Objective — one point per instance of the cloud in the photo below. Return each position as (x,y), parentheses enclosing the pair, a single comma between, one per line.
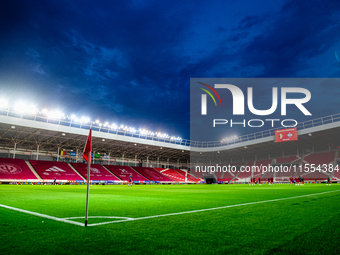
(250,21)
(133,59)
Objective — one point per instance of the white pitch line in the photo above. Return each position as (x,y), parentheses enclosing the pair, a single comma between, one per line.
(209,209)
(42,215)
(100,217)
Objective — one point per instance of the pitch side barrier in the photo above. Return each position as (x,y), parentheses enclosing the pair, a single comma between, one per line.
(284,168)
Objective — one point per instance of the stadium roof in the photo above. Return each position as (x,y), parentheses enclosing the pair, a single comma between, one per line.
(28,132)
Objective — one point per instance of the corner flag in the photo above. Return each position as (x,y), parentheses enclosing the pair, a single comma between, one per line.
(88,147)
(87,156)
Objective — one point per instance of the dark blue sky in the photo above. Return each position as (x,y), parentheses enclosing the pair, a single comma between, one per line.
(130,62)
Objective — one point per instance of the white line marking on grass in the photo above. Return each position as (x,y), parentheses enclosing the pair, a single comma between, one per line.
(42,215)
(209,209)
(99,217)
(124,219)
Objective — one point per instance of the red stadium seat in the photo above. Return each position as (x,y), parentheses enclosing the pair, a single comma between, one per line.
(123,172)
(174,175)
(48,170)
(152,174)
(15,169)
(187,174)
(97,172)
(321,161)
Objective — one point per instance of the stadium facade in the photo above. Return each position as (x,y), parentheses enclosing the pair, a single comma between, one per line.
(34,138)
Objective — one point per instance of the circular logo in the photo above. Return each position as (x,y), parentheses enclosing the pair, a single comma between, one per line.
(94,170)
(8,168)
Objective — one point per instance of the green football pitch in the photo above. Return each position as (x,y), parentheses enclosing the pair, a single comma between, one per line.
(171,219)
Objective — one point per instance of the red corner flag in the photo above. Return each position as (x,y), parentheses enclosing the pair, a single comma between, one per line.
(88,147)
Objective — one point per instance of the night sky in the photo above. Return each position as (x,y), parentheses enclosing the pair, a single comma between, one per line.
(130,62)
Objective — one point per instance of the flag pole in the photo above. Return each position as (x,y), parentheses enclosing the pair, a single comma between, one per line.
(88,187)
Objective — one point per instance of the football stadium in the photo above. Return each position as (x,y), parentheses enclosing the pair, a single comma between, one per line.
(170,127)
(273,198)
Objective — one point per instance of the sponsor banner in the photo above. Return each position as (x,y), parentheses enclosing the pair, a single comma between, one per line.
(73,154)
(285,135)
(80,181)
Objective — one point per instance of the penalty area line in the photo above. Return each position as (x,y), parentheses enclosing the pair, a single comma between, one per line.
(42,215)
(210,209)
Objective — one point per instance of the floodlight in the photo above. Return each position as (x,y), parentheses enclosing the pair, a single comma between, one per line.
(55,114)
(20,107)
(3,103)
(31,109)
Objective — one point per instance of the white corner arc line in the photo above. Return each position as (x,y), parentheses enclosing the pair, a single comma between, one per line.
(42,215)
(209,209)
(99,217)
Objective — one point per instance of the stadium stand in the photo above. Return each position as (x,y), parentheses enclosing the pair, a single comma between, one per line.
(260,166)
(48,170)
(290,164)
(123,172)
(336,175)
(187,174)
(290,159)
(318,159)
(97,172)
(16,170)
(152,174)
(246,173)
(225,177)
(172,174)
(218,175)
(197,174)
